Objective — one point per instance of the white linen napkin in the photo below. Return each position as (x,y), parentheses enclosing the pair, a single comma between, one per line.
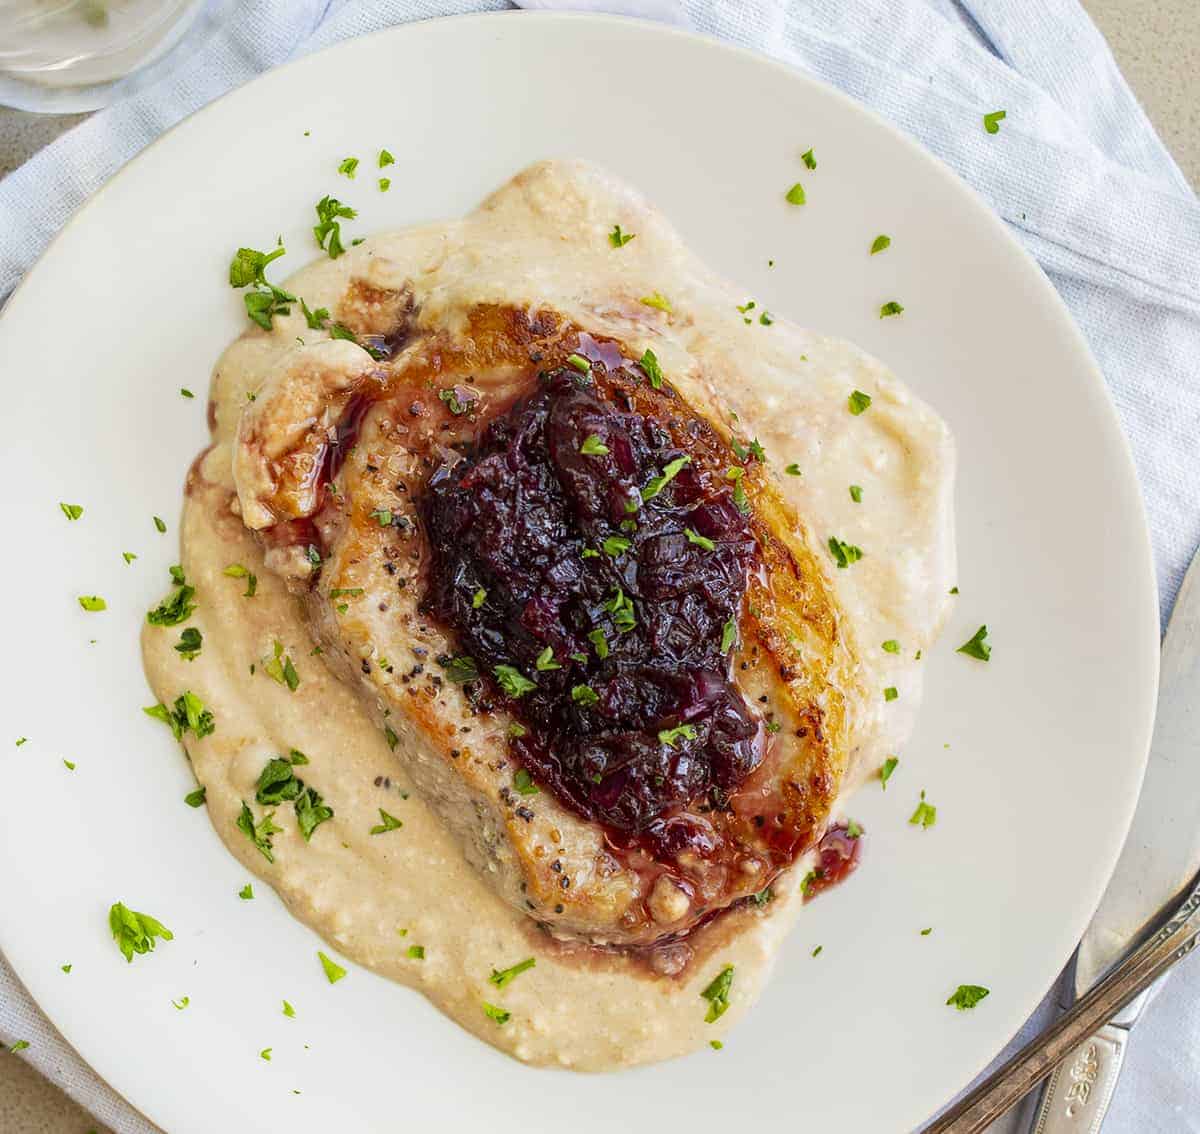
(1077,172)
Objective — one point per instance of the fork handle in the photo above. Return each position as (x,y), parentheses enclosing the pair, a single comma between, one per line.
(1177,937)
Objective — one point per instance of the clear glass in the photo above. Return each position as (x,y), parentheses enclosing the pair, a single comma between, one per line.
(68,54)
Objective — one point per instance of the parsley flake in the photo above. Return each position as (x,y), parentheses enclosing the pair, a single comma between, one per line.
(580,363)
(246,893)
(333,971)
(135,932)
(728,636)
(92,603)
(348,167)
(189,643)
(669,736)
(890,308)
(545,660)
(584,696)
(891,646)
(478,598)
(523,782)
(856,493)
(460,669)
(699,540)
(858,402)
(599,643)
(260,833)
(619,239)
(795,195)
(793,469)
(978,646)
(513,681)
(925,815)
(501,978)
(71,511)
(885,772)
(18,1045)
(649,363)
(844,553)
(615,546)
(656,484)
(880,242)
(991,122)
(328,229)
(160,525)
(387,823)
(658,301)
(500,1015)
(891,693)
(593,447)
(385,159)
(967,995)
(717,995)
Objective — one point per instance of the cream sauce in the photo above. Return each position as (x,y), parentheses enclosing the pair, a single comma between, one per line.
(375,896)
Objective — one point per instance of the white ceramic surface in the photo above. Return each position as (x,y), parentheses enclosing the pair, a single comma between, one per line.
(1033,759)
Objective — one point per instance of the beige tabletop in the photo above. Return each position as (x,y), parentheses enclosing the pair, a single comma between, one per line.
(1157,44)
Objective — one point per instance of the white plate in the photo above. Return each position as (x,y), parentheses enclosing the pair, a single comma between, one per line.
(1033,760)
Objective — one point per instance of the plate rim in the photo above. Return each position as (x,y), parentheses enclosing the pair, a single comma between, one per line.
(1047,297)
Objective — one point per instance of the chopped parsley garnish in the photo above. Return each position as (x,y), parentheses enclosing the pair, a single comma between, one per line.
(716,1045)
(351,592)
(66,968)
(460,669)
(281,669)
(728,636)
(764,896)
(189,643)
(844,553)
(416,952)
(619,239)
(385,183)
(757,451)
(580,363)
(180,1004)
(18,1045)
(795,195)
(967,995)
(348,167)
(277,783)
(891,693)
(926,932)
(858,402)
(289,1011)
(856,493)
(891,646)
(128,556)
(880,242)
(500,1015)
(188,714)
(456,405)
(513,681)
(885,772)
(773,727)
(387,822)
(311,812)
(333,971)
(991,122)
(135,932)
(717,994)
(385,159)
(260,833)
(616,545)
(383,516)
(891,307)
(657,483)
(186,392)
(160,524)
(649,363)
(328,229)
(657,301)
(389,734)
(72,511)
(22,740)
(620,606)
(699,540)
(523,782)
(584,695)
(808,159)
(817,951)
(545,660)
(593,447)
(69,765)
(246,893)
(265,301)
(316,320)
(92,603)
(925,815)
(853,829)
(196,798)
(176,607)
(590,553)
(501,978)
(978,646)
(599,643)
(749,305)
(793,469)
(669,736)
(735,474)
(478,598)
